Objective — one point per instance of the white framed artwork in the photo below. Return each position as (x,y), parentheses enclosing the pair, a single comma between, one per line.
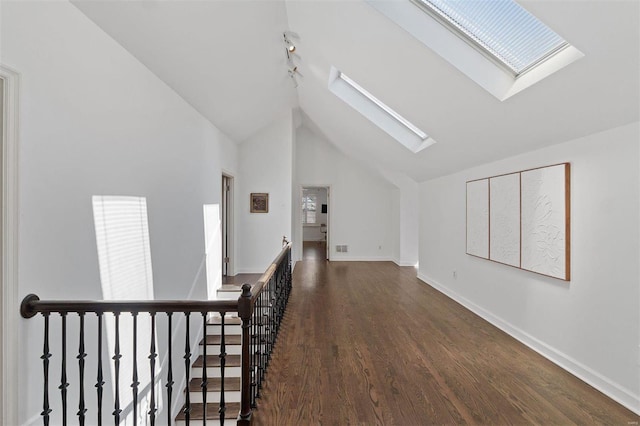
(504,231)
(545,223)
(522,219)
(478,218)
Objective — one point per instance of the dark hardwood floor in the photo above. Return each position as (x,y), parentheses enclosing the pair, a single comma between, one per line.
(314,250)
(368,343)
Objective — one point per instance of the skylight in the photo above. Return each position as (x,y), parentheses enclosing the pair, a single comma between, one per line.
(378,112)
(497,44)
(500,28)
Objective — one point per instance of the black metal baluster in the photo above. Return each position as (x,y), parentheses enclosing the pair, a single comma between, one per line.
(272,284)
(276,314)
(260,342)
(254,357)
(204,371)
(81,356)
(116,364)
(135,382)
(223,360)
(266,333)
(152,365)
(63,373)
(187,368)
(100,380)
(46,410)
(281,296)
(170,371)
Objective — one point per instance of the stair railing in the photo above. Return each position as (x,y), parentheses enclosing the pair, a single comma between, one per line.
(261,308)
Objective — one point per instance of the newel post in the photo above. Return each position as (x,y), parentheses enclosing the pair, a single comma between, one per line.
(245,309)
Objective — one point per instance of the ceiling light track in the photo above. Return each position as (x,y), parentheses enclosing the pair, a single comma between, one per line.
(290,49)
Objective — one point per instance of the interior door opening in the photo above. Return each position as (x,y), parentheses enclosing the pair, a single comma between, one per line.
(315,222)
(9,325)
(2,337)
(227,226)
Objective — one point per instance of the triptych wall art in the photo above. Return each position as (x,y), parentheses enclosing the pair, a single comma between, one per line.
(521,219)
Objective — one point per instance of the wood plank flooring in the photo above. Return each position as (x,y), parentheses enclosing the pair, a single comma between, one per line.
(368,343)
(314,250)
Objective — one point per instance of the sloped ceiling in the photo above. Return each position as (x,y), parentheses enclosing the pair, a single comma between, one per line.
(227,60)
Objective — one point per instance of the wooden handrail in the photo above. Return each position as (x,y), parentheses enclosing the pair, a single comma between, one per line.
(261,308)
(32,305)
(256,289)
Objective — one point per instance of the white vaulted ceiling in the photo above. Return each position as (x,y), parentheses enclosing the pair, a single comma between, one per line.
(227,59)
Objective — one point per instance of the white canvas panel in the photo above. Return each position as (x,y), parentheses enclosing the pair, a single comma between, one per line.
(504,229)
(478,218)
(543,221)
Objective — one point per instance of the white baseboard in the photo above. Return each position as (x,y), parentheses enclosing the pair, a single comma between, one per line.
(335,258)
(402,263)
(603,384)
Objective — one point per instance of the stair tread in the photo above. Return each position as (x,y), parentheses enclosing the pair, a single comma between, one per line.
(214,361)
(232,409)
(229,339)
(230,287)
(213,384)
(227,321)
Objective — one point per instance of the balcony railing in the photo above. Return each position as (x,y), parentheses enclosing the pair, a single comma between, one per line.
(260,307)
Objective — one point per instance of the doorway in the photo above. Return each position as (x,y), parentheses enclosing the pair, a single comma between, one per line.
(9,88)
(2,337)
(227,226)
(315,222)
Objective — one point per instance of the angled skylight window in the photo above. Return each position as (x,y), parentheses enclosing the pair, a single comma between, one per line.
(378,112)
(496,43)
(501,28)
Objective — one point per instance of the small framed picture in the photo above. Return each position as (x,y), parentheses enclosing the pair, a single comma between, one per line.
(259,202)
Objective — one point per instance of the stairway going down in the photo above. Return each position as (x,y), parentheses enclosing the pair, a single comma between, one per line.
(232,373)
(222,375)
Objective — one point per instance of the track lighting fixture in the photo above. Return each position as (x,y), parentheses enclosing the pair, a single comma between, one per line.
(290,47)
(292,74)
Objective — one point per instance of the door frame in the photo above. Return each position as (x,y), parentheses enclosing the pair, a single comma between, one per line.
(329,215)
(229,225)
(10,81)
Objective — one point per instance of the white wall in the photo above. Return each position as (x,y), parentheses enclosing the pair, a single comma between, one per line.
(406,206)
(229,164)
(591,325)
(395,226)
(296,214)
(360,202)
(94,121)
(265,164)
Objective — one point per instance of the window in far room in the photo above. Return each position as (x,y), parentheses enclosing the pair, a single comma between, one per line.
(309,202)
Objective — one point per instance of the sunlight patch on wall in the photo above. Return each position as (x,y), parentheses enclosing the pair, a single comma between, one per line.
(122,237)
(213,248)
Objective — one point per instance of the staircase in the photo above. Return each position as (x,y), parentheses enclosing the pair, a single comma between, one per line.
(261,307)
(232,370)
